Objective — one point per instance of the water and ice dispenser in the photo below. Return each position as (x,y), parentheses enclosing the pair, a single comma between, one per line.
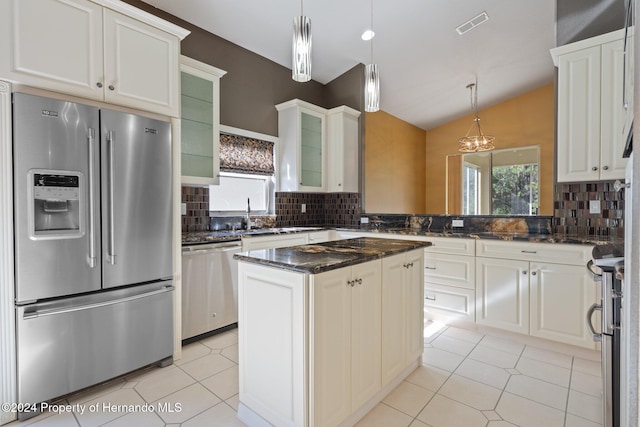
(55,204)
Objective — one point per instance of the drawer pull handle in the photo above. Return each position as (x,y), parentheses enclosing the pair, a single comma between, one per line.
(529,252)
(430,298)
(430,268)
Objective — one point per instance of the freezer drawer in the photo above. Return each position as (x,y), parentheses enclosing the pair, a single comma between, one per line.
(70,344)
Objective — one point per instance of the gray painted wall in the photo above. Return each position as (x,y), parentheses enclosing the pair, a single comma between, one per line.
(253,84)
(581,19)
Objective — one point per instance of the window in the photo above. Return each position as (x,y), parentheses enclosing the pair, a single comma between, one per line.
(234,190)
(247,171)
(515,189)
(471,189)
(510,186)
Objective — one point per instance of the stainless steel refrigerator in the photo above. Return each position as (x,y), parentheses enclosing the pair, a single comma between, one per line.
(93,260)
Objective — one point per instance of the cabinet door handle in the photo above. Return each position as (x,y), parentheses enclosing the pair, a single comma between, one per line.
(358,281)
(112,87)
(595,168)
(408,265)
(99,84)
(430,298)
(351,283)
(524,271)
(533,273)
(606,168)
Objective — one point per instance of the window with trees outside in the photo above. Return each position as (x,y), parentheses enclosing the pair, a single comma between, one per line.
(513,186)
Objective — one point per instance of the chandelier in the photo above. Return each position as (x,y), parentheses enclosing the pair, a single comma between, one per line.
(478,142)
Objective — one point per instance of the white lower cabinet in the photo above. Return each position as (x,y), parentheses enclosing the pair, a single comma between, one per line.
(542,290)
(402,312)
(253,243)
(345,342)
(319,236)
(321,350)
(560,296)
(450,280)
(502,294)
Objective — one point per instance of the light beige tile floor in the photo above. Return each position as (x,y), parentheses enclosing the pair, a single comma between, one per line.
(467,379)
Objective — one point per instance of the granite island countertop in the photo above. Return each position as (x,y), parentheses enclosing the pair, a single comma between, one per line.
(321,257)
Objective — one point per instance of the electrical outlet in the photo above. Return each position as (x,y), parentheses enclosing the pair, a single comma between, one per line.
(303,207)
(183,208)
(364,220)
(457,223)
(594,206)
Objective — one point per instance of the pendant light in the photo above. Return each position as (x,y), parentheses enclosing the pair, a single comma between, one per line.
(301,67)
(479,141)
(371,79)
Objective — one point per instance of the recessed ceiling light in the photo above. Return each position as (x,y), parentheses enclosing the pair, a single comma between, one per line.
(368,35)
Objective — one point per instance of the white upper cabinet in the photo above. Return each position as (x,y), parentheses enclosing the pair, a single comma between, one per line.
(593,121)
(301,132)
(342,150)
(318,148)
(199,122)
(103,50)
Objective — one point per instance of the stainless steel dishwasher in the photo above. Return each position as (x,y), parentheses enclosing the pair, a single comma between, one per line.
(209,287)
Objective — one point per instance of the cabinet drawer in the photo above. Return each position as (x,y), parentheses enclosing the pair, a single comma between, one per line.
(451,245)
(319,236)
(542,252)
(448,303)
(452,270)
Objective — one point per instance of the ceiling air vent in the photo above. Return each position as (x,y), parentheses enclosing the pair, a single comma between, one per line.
(472,23)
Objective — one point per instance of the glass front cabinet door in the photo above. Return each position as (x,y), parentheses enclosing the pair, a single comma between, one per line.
(301,132)
(200,122)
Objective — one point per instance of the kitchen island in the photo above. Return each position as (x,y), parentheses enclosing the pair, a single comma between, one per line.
(327,330)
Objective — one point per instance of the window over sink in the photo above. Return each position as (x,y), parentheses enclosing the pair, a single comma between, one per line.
(230,196)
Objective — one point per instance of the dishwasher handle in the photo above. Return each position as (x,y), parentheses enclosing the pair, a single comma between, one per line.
(222,247)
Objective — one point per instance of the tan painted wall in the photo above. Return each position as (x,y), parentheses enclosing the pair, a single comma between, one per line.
(521,121)
(394,158)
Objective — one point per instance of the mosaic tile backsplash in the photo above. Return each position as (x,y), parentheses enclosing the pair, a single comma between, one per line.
(322,209)
(197,217)
(571,209)
(571,213)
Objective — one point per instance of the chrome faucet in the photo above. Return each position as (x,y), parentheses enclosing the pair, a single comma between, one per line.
(248,214)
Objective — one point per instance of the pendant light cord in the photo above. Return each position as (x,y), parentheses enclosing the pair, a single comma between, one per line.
(372,31)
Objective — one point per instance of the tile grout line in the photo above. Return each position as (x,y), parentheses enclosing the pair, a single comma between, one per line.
(566,406)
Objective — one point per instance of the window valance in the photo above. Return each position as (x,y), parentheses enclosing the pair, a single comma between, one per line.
(246,155)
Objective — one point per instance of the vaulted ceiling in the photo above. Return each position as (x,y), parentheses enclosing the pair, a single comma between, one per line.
(425,65)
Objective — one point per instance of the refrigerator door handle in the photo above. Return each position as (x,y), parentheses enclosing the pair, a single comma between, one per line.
(91,259)
(597,337)
(54,311)
(111,255)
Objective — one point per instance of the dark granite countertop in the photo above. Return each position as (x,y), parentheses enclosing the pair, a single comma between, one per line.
(521,237)
(201,237)
(320,257)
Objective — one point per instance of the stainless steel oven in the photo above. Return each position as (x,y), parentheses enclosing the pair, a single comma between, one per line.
(609,336)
